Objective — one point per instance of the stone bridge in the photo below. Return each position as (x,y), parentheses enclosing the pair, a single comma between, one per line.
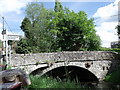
(90,65)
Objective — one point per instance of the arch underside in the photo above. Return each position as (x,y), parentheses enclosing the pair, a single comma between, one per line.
(72,72)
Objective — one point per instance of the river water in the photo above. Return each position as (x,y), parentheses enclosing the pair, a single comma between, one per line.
(101,85)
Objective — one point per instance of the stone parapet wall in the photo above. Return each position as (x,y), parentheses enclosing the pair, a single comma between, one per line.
(21,59)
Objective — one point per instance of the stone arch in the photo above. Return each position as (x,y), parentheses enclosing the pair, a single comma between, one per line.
(78,64)
(73,73)
(38,70)
(73,69)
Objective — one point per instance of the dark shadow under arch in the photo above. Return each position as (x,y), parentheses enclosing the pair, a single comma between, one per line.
(38,71)
(73,73)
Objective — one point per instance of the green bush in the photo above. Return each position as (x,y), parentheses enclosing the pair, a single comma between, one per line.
(113,77)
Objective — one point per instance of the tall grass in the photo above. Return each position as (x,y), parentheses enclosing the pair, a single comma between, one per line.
(48,82)
(113,77)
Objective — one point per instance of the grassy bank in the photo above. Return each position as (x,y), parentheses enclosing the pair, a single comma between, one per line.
(47,82)
(114,77)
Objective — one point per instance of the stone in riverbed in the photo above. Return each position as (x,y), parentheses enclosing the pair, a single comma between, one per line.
(14,75)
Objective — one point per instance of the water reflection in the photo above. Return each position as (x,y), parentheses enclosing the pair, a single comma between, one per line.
(101,85)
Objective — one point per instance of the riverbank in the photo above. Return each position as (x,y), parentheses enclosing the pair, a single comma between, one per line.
(113,77)
(48,82)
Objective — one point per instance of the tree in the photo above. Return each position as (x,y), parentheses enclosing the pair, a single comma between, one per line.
(58,6)
(118,30)
(23,47)
(26,26)
(74,31)
(35,26)
(59,30)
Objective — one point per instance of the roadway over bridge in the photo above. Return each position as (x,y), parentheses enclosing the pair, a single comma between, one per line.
(90,65)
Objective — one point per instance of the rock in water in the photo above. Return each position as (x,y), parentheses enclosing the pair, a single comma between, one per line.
(14,75)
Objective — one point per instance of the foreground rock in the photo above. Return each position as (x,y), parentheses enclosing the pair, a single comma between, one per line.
(13,76)
(11,86)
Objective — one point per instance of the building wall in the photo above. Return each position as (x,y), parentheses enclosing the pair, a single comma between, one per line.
(115,44)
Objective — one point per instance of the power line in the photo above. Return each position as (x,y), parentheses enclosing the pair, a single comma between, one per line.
(5,22)
(8,26)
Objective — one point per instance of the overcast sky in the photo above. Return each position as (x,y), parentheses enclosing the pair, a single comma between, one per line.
(105,13)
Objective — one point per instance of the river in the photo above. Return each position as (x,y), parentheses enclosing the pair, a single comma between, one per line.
(102,85)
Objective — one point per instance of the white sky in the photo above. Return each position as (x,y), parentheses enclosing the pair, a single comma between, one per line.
(108,21)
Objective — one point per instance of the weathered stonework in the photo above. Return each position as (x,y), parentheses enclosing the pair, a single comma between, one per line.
(21,59)
(98,62)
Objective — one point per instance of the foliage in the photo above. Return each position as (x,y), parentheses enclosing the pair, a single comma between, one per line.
(26,27)
(110,49)
(113,77)
(58,6)
(23,47)
(74,31)
(35,26)
(59,30)
(118,32)
(118,29)
(47,82)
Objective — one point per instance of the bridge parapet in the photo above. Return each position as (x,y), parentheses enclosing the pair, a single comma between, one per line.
(28,59)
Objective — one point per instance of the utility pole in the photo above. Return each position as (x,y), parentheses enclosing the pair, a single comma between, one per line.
(6,50)
(4,47)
